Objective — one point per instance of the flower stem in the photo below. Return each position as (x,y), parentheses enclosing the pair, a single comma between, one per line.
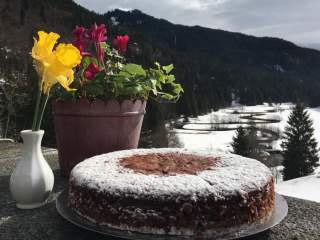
(99,60)
(36,112)
(43,107)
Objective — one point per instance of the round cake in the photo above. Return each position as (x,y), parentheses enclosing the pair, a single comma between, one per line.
(172,191)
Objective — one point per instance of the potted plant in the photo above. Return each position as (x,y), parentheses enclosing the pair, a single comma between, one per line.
(32,179)
(106,110)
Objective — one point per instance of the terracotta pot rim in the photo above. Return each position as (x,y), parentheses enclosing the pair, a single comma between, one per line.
(127,114)
(86,100)
(99,108)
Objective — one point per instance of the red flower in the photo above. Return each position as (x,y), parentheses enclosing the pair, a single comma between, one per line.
(91,71)
(121,42)
(97,35)
(80,39)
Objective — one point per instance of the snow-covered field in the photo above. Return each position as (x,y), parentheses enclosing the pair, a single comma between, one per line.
(223,139)
(305,188)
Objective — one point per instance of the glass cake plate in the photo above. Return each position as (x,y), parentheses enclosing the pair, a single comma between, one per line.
(279,213)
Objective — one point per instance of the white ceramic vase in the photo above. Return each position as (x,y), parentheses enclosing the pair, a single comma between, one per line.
(32,180)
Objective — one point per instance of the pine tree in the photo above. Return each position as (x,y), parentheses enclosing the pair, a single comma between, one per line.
(299,145)
(240,142)
(253,144)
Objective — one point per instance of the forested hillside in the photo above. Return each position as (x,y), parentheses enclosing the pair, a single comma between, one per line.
(214,66)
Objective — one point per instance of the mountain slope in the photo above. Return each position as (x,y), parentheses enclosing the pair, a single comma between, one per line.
(256,69)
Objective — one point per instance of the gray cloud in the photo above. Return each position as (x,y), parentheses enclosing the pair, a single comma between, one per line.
(294,20)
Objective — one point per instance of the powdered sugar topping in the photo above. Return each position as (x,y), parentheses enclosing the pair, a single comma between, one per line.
(231,175)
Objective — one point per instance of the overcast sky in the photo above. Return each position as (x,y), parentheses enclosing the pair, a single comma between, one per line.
(294,20)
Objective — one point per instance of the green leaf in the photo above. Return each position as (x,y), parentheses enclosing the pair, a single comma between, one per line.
(134,69)
(100,76)
(158,65)
(132,90)
(94,89)
(104,45)
(86,60)
(120,65)
(168,68)
(177,88)
(171,78)
(167,96)
(124,74)
(154,87)
(153,83)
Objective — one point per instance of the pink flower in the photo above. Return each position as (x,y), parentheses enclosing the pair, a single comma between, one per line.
(97,35)
(80,39)
(91,71)
(121,42)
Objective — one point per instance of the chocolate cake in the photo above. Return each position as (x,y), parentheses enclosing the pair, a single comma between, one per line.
(172,191)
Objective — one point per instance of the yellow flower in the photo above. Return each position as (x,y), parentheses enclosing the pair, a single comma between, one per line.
(66,55)
(54,66)
(42,49)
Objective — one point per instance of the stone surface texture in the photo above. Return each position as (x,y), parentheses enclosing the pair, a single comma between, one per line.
(302,222)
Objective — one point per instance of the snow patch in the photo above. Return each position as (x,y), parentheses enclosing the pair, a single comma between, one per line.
(278,68)
(114,21)
(307,188)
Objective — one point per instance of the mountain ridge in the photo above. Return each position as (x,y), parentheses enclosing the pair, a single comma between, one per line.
(305,46)
(283,56)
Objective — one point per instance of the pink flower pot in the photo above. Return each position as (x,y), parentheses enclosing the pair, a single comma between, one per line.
(85,129)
